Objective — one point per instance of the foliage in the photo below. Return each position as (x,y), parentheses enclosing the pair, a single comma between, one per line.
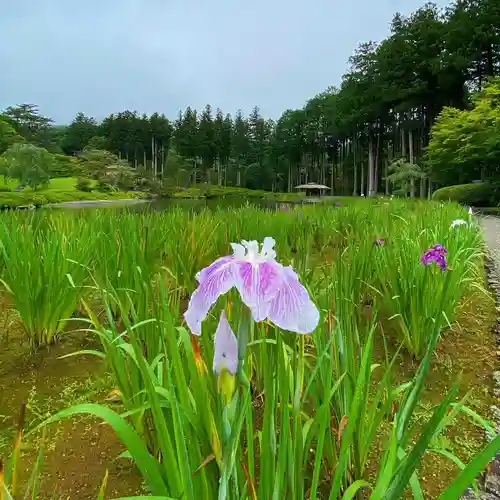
(30,124)
(44,273)
(326,392)
(57,191)
(107,169)
(84,184)
(485,194)
(64,166)
(466,143)
(403,175)
(29,164)
(384,108)
(8,135)
(78,134)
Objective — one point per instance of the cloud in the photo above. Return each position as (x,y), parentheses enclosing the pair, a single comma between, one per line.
(103,56)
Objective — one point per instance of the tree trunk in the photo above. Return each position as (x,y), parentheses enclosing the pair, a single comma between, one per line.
(386,176)
(412,180)
(377,161)
(371,169)
(362,193)
(355,189)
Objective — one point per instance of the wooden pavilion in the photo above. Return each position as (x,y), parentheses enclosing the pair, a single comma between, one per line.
(313,189)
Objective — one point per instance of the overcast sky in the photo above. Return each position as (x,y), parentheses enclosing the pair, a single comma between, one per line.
(103,56)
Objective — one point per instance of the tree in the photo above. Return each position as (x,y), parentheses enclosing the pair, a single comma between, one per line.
(97,142)
(78,134)
(346,137)
(29,164)
(465,144)
(8,135)
(107,168)
(206,145)
(403,175)
(240,145)
(31,125)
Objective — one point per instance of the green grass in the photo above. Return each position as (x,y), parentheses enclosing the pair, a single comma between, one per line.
(59,190)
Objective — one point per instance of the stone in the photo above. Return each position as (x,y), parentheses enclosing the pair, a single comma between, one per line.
(492,484)
(483,495)
(495,465)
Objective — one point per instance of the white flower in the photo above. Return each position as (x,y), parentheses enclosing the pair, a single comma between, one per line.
(458,222)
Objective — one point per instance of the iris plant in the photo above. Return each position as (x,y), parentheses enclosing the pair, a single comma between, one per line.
(437,254)
(268,289)
(458,222)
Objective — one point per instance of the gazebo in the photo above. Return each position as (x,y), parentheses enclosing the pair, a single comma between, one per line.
(311,188)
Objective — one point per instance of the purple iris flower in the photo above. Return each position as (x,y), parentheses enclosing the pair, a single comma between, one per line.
(225,348)
(379,242)
(437,254)
(267,288)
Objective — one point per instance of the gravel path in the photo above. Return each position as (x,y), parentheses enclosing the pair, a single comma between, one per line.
(490,489)
(491,231)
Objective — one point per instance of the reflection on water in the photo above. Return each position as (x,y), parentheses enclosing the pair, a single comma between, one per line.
(169,203)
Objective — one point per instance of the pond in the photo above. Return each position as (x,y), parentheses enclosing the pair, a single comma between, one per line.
(169,203)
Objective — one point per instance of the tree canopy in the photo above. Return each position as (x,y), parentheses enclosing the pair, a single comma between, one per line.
(429,78)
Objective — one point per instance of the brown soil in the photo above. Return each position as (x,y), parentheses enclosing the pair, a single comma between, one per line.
(466,351)
(80,450)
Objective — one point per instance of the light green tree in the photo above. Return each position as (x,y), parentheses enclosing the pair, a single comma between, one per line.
(465,144)
(29,164)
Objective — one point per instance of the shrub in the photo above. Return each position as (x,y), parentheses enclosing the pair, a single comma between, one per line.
(84,184)
(64,166)
(103,187)
(485,194)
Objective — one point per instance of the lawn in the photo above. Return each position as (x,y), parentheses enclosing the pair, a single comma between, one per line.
(59,190)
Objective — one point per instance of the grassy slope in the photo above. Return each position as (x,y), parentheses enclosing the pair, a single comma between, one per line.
(58,190)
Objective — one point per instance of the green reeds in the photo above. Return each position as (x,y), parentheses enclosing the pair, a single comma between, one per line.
(45,268)
(312,416)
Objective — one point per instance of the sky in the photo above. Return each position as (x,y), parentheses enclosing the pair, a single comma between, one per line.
(105,56)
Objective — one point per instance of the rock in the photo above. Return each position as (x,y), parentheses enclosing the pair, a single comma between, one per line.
(483,495)
(492,484)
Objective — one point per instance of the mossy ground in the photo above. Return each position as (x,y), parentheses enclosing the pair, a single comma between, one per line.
(80,450)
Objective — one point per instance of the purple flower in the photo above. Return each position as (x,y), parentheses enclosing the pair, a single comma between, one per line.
(379,242)
(435,254)
(225,348)
(267,288)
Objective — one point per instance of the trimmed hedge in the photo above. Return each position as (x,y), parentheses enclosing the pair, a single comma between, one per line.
(486,194)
